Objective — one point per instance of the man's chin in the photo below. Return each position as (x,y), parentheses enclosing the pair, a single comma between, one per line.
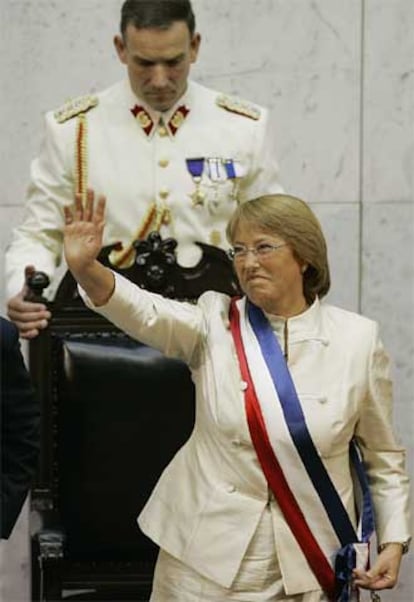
(161,104)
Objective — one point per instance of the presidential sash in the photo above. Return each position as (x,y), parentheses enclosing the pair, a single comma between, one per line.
(290,461)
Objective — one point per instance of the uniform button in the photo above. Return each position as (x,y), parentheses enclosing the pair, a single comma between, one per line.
(162,131)
(163,162)
(243,385)
(236,443)
(323,399)
(164,192)
(231,489)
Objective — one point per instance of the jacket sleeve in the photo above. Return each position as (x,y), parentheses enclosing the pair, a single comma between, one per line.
(38,240)
(175,328)
(384,458)
(19,429)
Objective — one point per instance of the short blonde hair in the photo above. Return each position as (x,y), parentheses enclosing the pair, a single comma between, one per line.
(294,221)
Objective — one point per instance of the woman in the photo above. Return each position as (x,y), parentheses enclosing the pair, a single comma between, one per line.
(259,504)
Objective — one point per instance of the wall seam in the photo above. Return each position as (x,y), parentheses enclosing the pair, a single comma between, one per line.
(361,157)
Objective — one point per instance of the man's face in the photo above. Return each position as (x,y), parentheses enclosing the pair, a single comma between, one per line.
(158,62)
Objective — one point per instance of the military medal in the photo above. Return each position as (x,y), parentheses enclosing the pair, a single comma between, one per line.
(196,168)
(229,167)
(216,174)
(231,175)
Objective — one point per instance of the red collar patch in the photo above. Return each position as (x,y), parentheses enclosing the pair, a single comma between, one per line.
(143,118)
(178,119)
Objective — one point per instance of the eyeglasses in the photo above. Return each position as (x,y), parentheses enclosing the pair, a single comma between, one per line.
(263,250)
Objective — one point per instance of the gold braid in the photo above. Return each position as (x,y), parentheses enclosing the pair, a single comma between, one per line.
(81,157)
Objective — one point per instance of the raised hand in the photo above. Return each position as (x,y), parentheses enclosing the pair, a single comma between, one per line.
(82,242)
(83,231)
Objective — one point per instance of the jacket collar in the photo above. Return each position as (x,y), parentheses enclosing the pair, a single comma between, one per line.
(305,326)
(169,121)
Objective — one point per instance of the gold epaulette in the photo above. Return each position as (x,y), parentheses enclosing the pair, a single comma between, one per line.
(236,105)
(75,107)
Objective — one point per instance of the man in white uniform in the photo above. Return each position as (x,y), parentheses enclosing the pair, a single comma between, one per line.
(169,155)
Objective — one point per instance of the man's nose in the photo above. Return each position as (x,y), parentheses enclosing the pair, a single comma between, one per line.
(159,76)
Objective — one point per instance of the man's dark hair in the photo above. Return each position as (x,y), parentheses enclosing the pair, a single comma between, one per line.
(158,14)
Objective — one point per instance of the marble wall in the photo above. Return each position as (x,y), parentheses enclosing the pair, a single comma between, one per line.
(339,77)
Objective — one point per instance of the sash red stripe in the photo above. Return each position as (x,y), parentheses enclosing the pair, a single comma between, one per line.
(274,474)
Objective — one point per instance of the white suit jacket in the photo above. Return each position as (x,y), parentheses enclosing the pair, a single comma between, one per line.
(209,500)
(135,169)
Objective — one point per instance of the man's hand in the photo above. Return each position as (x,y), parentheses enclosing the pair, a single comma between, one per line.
(30,318)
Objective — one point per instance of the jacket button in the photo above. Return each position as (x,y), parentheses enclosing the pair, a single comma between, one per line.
(231,489)
(236,443)
(164,192)
(243,385)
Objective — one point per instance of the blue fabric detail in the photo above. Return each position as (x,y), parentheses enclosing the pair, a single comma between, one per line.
(344,564)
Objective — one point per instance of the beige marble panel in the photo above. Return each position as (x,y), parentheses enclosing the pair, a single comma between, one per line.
(340,224)
(302,59)
(388,98)
(388,296)
(50,51)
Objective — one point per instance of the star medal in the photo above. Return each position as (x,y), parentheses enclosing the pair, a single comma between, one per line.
(196,168)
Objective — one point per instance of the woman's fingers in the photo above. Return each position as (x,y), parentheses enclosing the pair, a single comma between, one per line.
(85,210)
(78,212)
(99,215)
(88,206)
(68,215)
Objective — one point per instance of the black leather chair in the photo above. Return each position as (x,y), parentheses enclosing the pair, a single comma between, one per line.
(114,412)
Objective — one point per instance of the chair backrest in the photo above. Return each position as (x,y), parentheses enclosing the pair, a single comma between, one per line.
(124,410)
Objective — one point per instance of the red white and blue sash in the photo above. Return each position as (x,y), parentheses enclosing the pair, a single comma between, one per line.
(290,461)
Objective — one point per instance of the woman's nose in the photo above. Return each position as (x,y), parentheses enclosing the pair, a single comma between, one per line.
(250,258)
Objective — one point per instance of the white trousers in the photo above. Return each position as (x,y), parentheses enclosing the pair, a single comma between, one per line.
(259,578)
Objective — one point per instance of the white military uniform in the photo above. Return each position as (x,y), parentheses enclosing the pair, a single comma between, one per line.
(181,172)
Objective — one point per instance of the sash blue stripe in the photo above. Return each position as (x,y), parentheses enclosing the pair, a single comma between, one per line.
(295,421)
(368,520)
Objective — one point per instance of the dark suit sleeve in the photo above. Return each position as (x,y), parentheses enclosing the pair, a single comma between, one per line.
(19,428)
